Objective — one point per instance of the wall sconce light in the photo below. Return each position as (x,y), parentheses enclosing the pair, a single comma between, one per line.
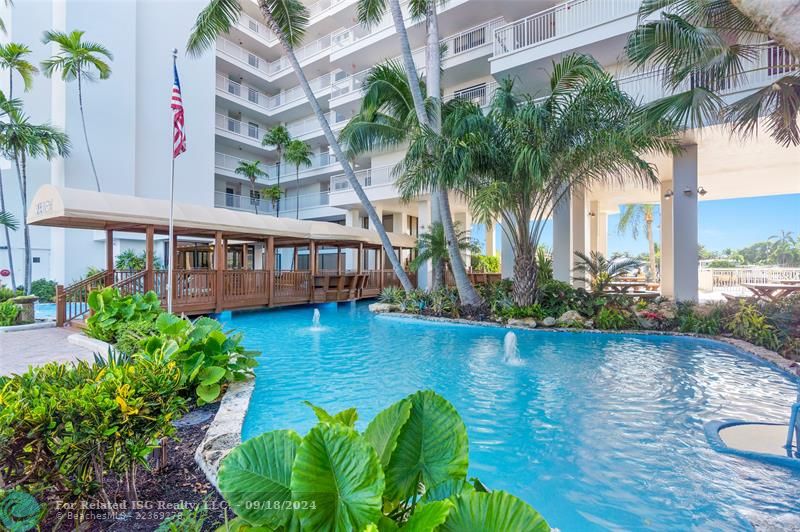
(702,191)
(668,194)
(687,191)
(592,213)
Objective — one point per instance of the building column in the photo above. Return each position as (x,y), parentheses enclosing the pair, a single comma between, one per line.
(579,220)
(425,272)
(598,229)
(464,221)
(491,247)
(506,254)
(562,240)
(220,263)
(352,218)
(666,270)
(684,223)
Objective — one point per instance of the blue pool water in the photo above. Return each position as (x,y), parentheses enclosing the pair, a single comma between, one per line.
(597,432)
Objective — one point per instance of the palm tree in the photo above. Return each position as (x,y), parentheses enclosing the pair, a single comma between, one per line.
(778,19)
(22,140)
(527,156)
(634,217)
(287,19)
(252,171)
(783,247)
(78,60)
(7,106)
(711,47)
(12,58)
(272,194)
(298,153)
(600,270)
(278,137)
(432,245)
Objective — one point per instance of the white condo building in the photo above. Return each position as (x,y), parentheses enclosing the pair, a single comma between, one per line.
(236,92)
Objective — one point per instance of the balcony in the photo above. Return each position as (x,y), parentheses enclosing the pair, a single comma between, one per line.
(257,29)
(320,162)
(248,132)
(253,98)
(309,127)
(479,94)
(288,205)
(371,177)
(271,70)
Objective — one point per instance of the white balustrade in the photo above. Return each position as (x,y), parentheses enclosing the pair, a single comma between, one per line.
(380,175)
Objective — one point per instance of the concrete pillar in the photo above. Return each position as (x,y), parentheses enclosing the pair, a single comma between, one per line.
(352,218)
(562,240)
(684,220)
(491,248)
(579,231)
(602,233)
(667,284)
(506,254)
(425,273)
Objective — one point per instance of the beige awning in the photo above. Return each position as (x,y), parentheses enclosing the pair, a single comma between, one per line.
(54,206)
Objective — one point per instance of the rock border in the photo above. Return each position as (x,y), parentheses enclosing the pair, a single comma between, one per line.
(790,367)
(225,431)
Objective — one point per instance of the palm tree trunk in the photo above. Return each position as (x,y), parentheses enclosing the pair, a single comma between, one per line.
(651,249)
(466,292)
(337,150)
(525,274)
(777,19)
(85,135)
(278,168)
(434,83)
(21,162)
(408,62)
(8,236)
(255,198)
(297,185)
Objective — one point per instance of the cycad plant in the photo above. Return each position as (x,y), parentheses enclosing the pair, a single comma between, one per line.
(601,272)
(21,140)
(432,245)
(252,171)
(78,60)
(278,138)
(703,48)
(288,19)
(298,153)
(635,217)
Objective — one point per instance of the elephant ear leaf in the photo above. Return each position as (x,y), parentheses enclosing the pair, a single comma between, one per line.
(492,512)
(428,517)
(432,447)
(347,417)
(260,471)
(382,432)
(337,480)
(447,490)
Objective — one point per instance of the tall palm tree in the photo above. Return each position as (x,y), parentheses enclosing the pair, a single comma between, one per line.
(704,48)
(432,245)
(7,106)
(527,156)
(81,61)
(12,58)
(298,153)
(635,217)
(778,19)
(252,171)
(600,270)
(22,140)
(287,19)
(278,137)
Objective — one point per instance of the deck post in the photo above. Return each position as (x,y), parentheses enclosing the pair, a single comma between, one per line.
(61,306)
(244,256)
(109,257)
(312,259)
(148,250)
(269,263)
(360,265)
(219,267)
(294,259)
(380,261)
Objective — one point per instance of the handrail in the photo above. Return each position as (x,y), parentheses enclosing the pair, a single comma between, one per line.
(132,284)
(73,301)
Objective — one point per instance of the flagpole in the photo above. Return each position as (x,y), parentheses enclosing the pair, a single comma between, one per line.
(172,252)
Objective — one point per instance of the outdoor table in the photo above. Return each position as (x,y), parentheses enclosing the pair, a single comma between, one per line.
(772,291)
(622,287)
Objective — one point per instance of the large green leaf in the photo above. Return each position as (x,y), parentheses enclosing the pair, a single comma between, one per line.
(432,447)
(382,432)
(429,516)
(258,473)
(337,480)
(446,490)
(493,512)
(346,417)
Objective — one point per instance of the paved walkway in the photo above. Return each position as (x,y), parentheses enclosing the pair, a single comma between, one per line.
(18,350)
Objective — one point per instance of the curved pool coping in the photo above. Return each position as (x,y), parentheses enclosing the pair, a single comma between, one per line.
(225,431)
(713,428)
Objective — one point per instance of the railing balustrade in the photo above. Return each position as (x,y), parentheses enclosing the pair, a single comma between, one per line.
(380,175)
(291,287)
(271,68)
(472,38)
(732,280)
(250,131)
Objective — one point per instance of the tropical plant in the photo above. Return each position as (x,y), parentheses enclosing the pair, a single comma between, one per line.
(485,263)
(634,217)
(432,245)
(523,160)
(81,61)
(613,318)
(407,470)
(207,357)
(544,264)
(601,272)
(252,171)
(111,311)
(299,154)
(392,295)
(288,21)
(21,140)
(704,49)
(749,324)
(784,247)
(129,259)
(44,289)
(8,313)
(13,58)
(272,194)
(189,519)
(278,138)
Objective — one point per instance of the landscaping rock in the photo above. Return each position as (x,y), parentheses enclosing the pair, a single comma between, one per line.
(524,322)
(384,307)
(549,321)
(25,304)
(570,317)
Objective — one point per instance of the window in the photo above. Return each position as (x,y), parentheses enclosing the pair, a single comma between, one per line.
(365,222)
(233,87)
(388,222)
(252,130)
(37,260)
(230,197)
(252,60)
(413,225)
(252,94)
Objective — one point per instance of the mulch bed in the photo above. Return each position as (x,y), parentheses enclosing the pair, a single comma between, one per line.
(161,493)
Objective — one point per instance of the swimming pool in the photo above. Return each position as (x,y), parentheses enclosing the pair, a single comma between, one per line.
(596,431)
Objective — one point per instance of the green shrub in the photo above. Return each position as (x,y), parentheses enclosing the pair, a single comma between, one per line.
(335,478)
(206,356)
(485,263)
(749,324)
(112,311)
(557,297)
(415,301)
(44,289)
(8,313)
(444,302)
(189,519)
(392,295)
(130,260)
(7,293)
(534,311)
(132,335)
(614,319)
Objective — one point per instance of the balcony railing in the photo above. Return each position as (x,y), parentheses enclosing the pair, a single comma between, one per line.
(380,175)
(288,204)
(480,94)
(250,131)
(472,38)
(318,160)
(274,67)
(310,124)
(248,23)
(558,21)
(244,92)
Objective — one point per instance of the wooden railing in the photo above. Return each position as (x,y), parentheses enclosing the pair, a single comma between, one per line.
(245,288)
(72,301)
(194,289)
(291,287)
(132,284)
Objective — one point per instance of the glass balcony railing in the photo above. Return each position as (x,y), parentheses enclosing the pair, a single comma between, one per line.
(288,204)
(380,175)
(251,25)
(310,125)
(558,21)
(228,162)
(272,68)
(269,103)
(250,131)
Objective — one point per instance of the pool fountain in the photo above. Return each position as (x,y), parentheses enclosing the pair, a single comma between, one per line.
(315,325)
(510,350)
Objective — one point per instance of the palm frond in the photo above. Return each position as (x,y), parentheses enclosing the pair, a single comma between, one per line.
(290,18)
(7,219)
(370,12)
(215,19)
(778,102)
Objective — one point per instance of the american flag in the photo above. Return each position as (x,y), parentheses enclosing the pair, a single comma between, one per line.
(178,132)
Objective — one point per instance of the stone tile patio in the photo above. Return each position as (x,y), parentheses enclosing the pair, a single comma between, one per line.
(20,349)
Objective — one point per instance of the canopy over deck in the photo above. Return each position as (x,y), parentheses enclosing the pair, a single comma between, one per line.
(54,206)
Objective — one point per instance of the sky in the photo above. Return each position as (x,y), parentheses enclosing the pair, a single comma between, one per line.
(734,223)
